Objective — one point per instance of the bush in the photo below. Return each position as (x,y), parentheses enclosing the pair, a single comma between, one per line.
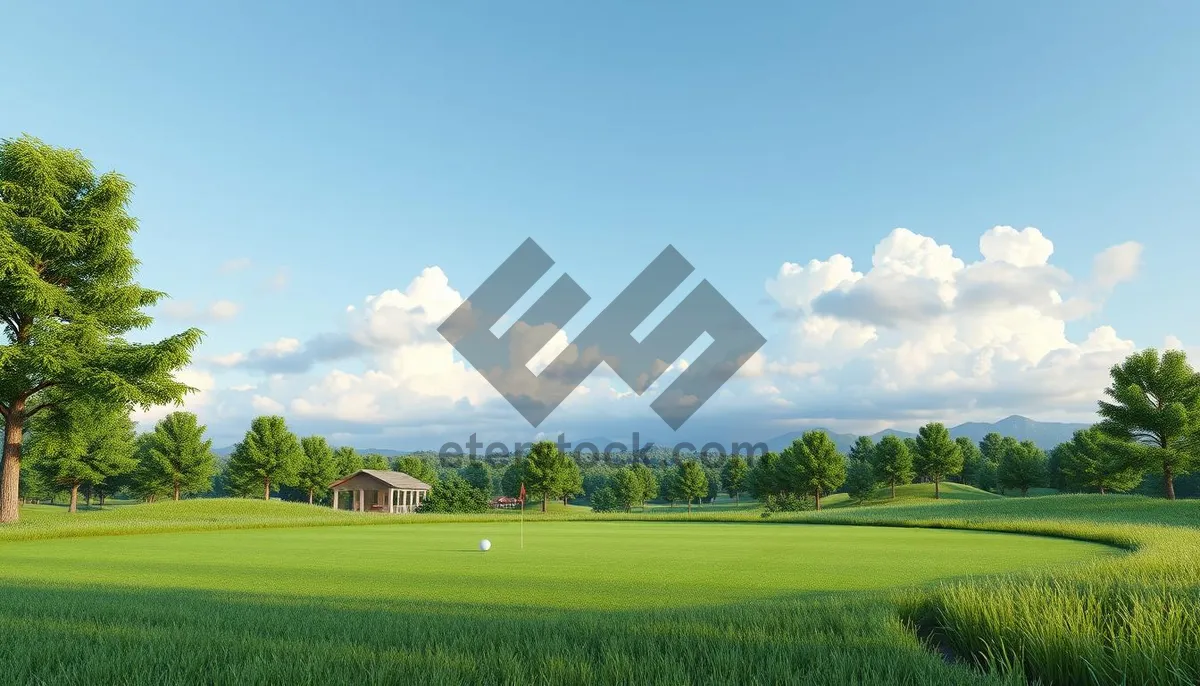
(787,502)
(454,494)
(604,499)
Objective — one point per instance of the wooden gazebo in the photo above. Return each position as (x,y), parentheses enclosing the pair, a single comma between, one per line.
(376,490)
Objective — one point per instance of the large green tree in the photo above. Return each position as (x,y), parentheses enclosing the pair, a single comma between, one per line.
(348,461)
(691,482)
(860,479)
(479,475)
(418,469)
(893,462)
(1093,459)
(813,464)
(972,458)
(318,467)
(733,476)
(547,471)
(649,483)
(454,494)
(68,298)
(627,488)
(863,449)
(268,457)
(82,441)
(1023,466)
(177,456)
(1154,402)
(938,456)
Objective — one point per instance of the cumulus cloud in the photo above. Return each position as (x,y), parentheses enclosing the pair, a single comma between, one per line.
(923,332)
(932,331)
(197,401)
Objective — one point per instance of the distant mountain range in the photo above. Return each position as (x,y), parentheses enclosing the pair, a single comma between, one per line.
(1045,434)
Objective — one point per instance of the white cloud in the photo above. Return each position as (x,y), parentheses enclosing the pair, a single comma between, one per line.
(195,402)
(936,335)
(1117,264)
(236,264)
(265,405)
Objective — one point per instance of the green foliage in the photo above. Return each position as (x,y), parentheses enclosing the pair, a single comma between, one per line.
(1093,459)
(863,449)
(937,455)
(175,457)
(786,502)
(318,467)
(691,482)
(547,472)
(605,499)
(417,468)
(1155,402)
(649,482)
(514,476)
(627,488)
(860,479)
(972,458)
(348,461)
(893,462)
(377,462)
(1023,466)
(572,480)
(454,494)
(268,457)
(596,477)
(68,298)
(812,464)
(82,442)
(734,475)
(765,477)
(479,475)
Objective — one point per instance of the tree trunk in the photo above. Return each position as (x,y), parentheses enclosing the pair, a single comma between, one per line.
(545,497)
(817,493)
(266,489)
(102,500)
(177,490)
(310,494)
(1169,481)
(893,482)
(74,498)
(89,495)
(937,492)
(10,474)
(1101,490)
(1024,491)
(689,505)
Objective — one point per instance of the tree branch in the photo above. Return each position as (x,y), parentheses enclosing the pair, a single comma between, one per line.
(39,408)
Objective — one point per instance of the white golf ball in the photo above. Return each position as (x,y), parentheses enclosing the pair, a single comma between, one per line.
(485,544)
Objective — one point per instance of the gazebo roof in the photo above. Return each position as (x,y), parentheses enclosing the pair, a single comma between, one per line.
(389,478)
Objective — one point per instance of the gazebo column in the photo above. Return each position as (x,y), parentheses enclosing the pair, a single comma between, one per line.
(418,498)
(361,500)
(335,492)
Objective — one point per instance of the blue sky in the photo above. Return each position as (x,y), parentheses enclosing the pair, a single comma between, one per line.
(339,150)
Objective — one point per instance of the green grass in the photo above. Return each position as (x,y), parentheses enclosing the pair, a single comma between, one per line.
(602,600)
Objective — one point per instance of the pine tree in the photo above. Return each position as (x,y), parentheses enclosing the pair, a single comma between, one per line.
(268,457)
(178,456)
(67,298)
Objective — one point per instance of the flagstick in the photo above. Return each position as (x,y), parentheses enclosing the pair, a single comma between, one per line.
(522,524)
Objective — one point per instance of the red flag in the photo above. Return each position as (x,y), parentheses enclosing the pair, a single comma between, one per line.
(522,496)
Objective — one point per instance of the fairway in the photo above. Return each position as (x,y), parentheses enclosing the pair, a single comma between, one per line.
(641,564)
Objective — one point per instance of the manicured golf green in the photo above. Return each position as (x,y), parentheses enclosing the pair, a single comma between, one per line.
(583,602)
(638,564)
